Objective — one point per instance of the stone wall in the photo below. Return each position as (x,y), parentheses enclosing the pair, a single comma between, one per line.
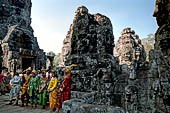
(89,44)
(99,82)
(19,46)
(129,48)
(159,76)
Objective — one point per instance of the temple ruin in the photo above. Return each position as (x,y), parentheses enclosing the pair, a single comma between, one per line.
(104,81)
(129,48)
(19,48)
(122,84)
(89,44)
(160,60)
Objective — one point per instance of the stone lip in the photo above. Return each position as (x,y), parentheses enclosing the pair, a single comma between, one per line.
(77,106)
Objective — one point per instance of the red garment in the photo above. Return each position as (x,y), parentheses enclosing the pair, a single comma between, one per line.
(1,77)
(65,94)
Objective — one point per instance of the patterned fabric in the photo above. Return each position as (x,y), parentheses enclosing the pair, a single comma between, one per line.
(43,91)
(25,82)
(7,80)
(43,84)
(43,98)
(65,90)
(1,77)
(16,87)
(2,85)
(53,95)
(33,89)
(33,86)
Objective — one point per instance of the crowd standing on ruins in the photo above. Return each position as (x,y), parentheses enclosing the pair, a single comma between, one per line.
(37,87)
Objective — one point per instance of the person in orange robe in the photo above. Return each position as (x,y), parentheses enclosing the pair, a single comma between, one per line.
(25,91)
(65,88)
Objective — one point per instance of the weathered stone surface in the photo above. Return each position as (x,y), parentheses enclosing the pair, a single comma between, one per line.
(77,106)
(19,46)
(129,48)
(66,47)
(162,11)
(134,85)
(89,34)
(89,44)
(50,60)
(159,73)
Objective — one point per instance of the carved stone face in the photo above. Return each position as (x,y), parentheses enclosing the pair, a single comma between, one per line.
(131,93)
(165,47)
(127,55)
(164,43)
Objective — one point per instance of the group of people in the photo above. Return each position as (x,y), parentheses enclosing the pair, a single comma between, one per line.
(37,87)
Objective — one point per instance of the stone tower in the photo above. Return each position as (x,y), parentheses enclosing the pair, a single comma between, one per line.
(19,47)
(159,58)
(129,48)
(89,44)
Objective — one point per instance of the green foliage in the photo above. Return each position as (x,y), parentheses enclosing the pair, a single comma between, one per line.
(51,53)
(57,59)
(147,58)
(148,44)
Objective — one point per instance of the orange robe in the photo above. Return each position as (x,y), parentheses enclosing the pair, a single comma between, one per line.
(53,96)
(25,82)
(65,90)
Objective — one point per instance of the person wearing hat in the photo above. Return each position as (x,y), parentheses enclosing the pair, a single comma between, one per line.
(52,90)
(65,88)
(39,75)
(25,82)
(33,87)
(16,87)
(43,90)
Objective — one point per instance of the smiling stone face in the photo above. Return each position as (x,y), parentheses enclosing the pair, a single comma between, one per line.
(129,48)
(162,12)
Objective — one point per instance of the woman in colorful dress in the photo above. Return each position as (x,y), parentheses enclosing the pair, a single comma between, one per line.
(53,93)
(33,88)
(43,90)
(65,88)
(16,87)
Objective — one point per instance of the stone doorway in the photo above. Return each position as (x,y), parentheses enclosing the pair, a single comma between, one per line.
(28,62)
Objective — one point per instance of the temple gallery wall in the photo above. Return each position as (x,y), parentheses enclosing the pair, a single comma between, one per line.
(109,77)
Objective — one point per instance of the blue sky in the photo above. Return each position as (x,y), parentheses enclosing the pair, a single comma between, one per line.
(51,19)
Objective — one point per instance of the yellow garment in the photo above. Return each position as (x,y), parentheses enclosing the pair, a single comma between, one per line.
(25,84)
(53,96)
(53,84)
